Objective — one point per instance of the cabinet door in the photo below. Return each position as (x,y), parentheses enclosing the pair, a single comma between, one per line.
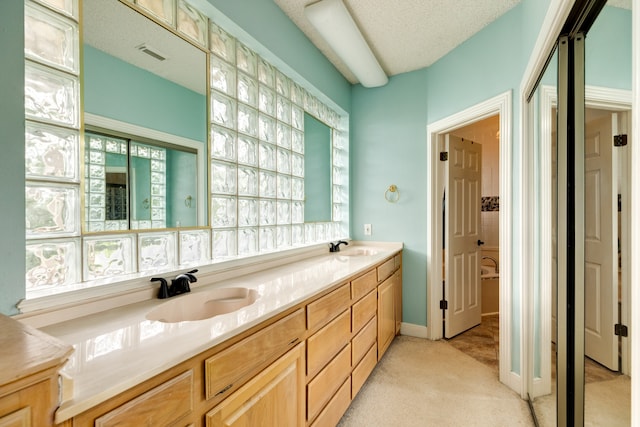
(275,397)
(386,315)
(398,299)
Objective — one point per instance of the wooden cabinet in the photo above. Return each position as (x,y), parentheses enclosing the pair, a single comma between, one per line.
(275,397)
(301,368)
(337,406)
(327,342)
(322,388)
(397,294)
(160,406)
(228,369)
(327,307)
(386,315)
(29,375)
(389,308)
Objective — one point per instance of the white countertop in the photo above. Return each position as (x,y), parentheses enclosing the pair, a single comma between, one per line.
(118,349)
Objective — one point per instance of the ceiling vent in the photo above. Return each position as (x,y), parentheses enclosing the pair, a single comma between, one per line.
(151,51)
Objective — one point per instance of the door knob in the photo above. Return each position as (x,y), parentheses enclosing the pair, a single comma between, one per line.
(480,242)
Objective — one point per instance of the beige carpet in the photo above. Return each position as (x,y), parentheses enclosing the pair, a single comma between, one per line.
(430,383)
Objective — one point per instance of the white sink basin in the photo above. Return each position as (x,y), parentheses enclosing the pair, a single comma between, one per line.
(203,305)
(359,252)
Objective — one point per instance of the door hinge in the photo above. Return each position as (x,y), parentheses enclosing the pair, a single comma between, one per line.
(620,140)
(444,156)
(621,330)
(444,305)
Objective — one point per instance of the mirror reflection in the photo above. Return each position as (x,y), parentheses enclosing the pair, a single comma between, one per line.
(317,170)
(146,185)
(139,75)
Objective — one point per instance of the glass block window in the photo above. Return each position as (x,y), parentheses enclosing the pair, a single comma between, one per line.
(52,144)
(257,155)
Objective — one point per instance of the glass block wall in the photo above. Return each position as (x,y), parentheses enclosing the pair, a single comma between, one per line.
(257,155)
(52,144)
(256,148)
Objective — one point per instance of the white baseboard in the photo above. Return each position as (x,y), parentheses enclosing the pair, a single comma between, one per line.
(412,330)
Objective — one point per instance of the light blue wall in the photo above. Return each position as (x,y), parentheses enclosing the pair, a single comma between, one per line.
(388,137)
(142,98)
(608,50)
(388,134)
(12,220)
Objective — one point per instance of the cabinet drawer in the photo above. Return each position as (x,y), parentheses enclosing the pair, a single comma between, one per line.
(327,342)
(162,405)
(363,370)
(326,308)
(364,310)
(336,407)
(274,397)
(397,261)
(363,284)
(386,269)
(231,367)
(325,384)
(366,338)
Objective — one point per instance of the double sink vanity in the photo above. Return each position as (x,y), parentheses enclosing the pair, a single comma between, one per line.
(288,345)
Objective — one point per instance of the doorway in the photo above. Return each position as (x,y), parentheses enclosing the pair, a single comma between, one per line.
(498,106)
(479,337)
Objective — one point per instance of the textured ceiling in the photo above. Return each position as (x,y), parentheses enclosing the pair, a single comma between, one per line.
(406,35)
(116,29)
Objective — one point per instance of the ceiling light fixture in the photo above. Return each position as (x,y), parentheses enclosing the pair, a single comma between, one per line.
(151,51)
(334,23)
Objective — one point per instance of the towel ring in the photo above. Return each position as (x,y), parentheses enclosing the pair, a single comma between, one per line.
(392,194)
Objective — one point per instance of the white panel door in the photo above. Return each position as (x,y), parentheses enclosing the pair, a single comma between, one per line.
(601,231)
(462,236)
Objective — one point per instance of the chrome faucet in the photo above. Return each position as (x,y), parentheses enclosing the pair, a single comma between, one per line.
(179,285)
(335,247)
(495,262)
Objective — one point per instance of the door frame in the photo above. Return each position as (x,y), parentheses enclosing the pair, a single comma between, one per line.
(502,105)
(595,97)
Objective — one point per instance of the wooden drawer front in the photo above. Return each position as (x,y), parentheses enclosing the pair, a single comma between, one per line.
(363,284)
(386,269)
(336,407)
(274,397)
(327,342)
(397,261)
(325,384)
(19,418)
(361,343)
(326,308)
(225,370)
(160,406)
(363,311)
(363,370)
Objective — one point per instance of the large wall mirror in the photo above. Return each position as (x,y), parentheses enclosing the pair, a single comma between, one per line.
(145,109)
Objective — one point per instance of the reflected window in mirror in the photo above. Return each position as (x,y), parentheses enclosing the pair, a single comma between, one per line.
(138,185)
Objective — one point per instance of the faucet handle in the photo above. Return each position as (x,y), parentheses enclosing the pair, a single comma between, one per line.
(190,275)
(163,292)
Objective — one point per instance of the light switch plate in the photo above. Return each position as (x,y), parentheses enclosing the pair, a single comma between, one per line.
(367,229)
